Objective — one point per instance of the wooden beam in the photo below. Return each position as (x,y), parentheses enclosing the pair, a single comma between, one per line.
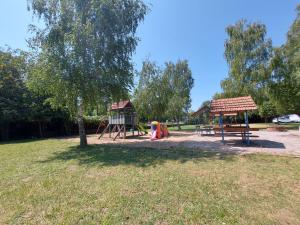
(247,138)
(109,130)
(124,128)
(221,126)
(119,132)
(103,132)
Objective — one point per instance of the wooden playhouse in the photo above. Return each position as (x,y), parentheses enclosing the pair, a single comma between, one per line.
(121,120)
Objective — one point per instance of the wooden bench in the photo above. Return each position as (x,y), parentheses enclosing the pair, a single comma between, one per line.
(243,132)
(207,129)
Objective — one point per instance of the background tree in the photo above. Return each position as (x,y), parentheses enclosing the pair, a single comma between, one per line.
(247,52)
(179,79)
(150,95)
(204,118)
(12,89)
(164,93)
(285,67)
(85,51)
(267,110)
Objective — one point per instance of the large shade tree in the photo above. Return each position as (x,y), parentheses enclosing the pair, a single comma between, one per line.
(12,89)
(247,52)
(180,82)
(150,95)
(164,92)
(84,51)
(285,67)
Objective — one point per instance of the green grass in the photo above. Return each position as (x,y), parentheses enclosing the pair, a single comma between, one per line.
(55,182)
(183,128)
(289,126)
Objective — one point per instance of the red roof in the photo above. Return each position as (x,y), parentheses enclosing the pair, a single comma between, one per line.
(121,105)
(230,105)
(201,111)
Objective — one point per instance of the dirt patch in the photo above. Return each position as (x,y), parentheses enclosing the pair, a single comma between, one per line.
(286,217)
(287,143)
(277,129)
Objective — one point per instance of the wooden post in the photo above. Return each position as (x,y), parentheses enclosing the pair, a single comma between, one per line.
(103,132)
(247,138)
(109,130)
(221,126)
(114,129)
(124,131)
(119,131)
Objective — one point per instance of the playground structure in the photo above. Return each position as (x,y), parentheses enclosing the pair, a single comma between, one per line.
(158,130)
(230,107)
(122,119)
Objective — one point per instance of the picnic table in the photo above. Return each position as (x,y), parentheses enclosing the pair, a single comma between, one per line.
(236,130)
(200,129)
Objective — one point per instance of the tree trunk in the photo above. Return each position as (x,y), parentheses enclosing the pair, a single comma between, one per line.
(178,124)
(40,129)
(82,135)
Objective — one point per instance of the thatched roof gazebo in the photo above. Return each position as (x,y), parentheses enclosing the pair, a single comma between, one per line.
(233,106)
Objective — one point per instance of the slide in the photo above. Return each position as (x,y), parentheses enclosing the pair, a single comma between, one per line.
(141,128)
(153,136)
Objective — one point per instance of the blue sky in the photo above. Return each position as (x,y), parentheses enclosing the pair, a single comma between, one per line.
(179,29)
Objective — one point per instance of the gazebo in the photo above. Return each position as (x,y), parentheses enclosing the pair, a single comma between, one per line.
(230,107)
(233,106)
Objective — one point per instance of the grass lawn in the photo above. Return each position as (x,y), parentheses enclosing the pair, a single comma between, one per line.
(54,182)
(183,128)
(289,126)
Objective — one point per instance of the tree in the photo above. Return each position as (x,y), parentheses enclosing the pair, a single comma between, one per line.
(164,93)
(267,110)
(12,89)
(204,118)
(247,52)
(85,51)
(180,82)
(150,98)
(285,67)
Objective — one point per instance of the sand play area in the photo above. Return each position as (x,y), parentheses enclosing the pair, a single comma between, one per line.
(282,143)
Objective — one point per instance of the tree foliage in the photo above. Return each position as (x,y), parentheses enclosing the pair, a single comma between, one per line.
(285,67)
(247,52)
(270,75)
(150,97)
(12,89)
(267,110)
(85,51)
(180,82)
(17,102)
(164,93)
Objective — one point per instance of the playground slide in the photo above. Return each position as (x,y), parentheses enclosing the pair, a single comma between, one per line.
(153,136)
(158,131)
(141,128)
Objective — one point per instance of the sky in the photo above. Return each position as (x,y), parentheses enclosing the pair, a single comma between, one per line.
(178,29)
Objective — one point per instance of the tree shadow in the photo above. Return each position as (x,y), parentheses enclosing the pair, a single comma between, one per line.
(22,141)
(260,143)
(113,155)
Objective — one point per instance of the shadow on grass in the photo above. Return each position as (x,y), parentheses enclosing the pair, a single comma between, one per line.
(257,143)
(22,141)
(113,155)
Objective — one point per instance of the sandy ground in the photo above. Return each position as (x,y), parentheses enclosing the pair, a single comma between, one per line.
(282,143)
